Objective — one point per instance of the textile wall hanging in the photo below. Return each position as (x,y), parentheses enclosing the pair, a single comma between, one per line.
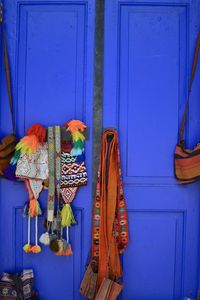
(51,158)
(109,227)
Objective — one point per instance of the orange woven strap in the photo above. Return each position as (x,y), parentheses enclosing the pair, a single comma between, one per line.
(194,66)
(110,225)
(7,69)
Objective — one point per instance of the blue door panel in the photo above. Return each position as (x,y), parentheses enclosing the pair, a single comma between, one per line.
(51,62)
(149,47)
(50,46)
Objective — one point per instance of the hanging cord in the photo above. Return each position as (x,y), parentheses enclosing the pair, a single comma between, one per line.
(36,231)
(67,234)
(29,230)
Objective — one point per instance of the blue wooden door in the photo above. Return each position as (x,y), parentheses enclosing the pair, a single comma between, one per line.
(148,54)
(50,45)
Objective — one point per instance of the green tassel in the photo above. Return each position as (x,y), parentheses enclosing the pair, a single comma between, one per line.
(15,157)
(67,216)
(78,144)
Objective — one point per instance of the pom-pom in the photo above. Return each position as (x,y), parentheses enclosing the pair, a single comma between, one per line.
(36,249)
(75,125)
(54,246)
(34,208)
(28,145)
(27,248)
(67,216)
(45,239)
(65,250)
(68,251)
(60,244)
(39,131)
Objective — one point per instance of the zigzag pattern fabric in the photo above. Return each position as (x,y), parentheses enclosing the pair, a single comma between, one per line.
(73,174)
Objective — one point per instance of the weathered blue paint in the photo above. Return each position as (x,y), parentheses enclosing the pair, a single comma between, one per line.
(148,55)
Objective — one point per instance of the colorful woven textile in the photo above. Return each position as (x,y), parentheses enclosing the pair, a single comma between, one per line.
(34,165)
(51,188)
(8,288)
(110,223)
(68,194)
(33,187)
(54,155)
(72,173)
(58,158)
(109,290)
(66,158)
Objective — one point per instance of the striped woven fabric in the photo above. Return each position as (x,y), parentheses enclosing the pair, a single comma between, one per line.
(187,164)
(8,288)
(109,290)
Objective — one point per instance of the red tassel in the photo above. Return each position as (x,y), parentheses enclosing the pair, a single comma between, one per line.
(39,131)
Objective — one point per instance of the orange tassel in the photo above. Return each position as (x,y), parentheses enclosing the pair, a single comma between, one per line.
(35,249)
(34,208)
(75,125)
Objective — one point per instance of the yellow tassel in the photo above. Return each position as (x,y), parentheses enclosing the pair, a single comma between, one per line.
(78,136)
(28,145)
(27,248)
(67,216)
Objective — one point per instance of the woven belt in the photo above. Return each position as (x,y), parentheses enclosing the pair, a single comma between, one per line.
(54,156)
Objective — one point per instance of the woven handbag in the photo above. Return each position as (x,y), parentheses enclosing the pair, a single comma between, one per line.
(8,143)
(187,162)
(108,290)
(89,283)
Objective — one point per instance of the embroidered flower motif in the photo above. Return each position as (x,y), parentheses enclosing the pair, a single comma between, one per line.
(5,291)
(14,293)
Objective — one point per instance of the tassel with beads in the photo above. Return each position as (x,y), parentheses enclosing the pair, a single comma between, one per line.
(45,239)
